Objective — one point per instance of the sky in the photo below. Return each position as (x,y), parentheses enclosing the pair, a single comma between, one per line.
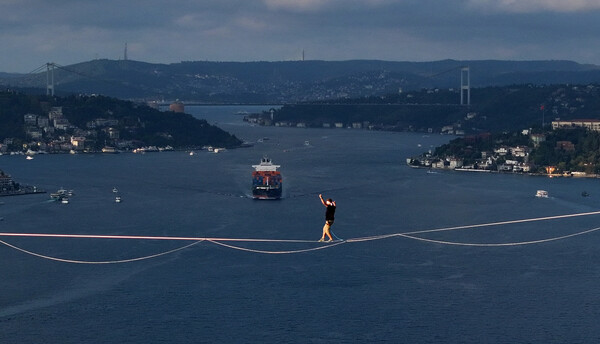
(34,32)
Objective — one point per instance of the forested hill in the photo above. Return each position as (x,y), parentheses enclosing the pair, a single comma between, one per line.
(493,109)
(101,121)
(292,81)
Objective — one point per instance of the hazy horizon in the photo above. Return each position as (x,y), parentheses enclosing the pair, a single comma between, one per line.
(67,32)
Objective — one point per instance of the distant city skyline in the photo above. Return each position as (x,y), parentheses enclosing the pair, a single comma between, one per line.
(34,32)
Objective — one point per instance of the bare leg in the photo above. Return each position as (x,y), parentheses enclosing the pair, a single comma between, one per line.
(326,232)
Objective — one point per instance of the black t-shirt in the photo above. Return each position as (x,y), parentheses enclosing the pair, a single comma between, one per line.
(330,213)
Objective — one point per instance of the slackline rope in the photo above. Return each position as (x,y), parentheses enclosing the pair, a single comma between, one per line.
(334,243)
(220,241)
(98,262)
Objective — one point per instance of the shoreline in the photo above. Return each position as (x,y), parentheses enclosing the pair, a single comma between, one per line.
(535,174)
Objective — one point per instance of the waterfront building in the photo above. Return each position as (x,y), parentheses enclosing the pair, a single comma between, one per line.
(30,119)
(590,124)
(61,123)
(34,134)
(78,142)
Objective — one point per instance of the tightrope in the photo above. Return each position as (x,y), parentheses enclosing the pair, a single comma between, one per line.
(335,243)
(413,235)
(97,262)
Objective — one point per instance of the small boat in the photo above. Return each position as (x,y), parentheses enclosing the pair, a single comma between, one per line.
(191,153)
(29,157)
(541,194)
(118,199)
(115,190)
(60,194)
(307,143)
(64,200)
(109,150)
(585,194)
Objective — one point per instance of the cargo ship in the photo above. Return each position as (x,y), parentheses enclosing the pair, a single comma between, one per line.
(266,180)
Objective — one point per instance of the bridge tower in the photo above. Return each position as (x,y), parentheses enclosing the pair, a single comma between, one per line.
(465,85)
(50,78)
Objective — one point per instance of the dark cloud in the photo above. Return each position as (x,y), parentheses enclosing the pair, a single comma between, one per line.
(33,32)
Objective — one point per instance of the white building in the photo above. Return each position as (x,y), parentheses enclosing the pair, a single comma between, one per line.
(590,124)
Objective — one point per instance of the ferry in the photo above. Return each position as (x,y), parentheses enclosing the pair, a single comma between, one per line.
(148,149)
(266,180)
(109,150)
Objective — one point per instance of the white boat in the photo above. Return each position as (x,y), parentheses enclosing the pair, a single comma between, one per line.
(29,157)
(60,194)
(64,200)
(118,199)
(541,194)
(109,150)
(191,153)
(115,190)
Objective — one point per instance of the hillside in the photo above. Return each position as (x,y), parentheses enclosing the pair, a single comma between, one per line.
(493,109)
(88,123)
(292,81)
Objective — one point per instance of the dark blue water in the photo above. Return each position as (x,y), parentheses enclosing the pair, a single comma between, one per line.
(395,290)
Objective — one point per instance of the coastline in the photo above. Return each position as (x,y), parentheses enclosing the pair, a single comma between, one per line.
(535,174)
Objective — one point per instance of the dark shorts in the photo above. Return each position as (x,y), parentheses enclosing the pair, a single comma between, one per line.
(329,222)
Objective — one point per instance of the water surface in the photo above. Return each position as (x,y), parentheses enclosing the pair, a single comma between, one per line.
(395,290)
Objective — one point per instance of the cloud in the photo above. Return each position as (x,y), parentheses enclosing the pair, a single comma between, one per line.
(308,6)
(297,5)
(69,31)
(531,6)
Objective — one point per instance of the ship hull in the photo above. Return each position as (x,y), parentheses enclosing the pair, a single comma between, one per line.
(266,193)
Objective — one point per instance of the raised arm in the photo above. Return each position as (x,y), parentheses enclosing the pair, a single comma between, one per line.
(322,200)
